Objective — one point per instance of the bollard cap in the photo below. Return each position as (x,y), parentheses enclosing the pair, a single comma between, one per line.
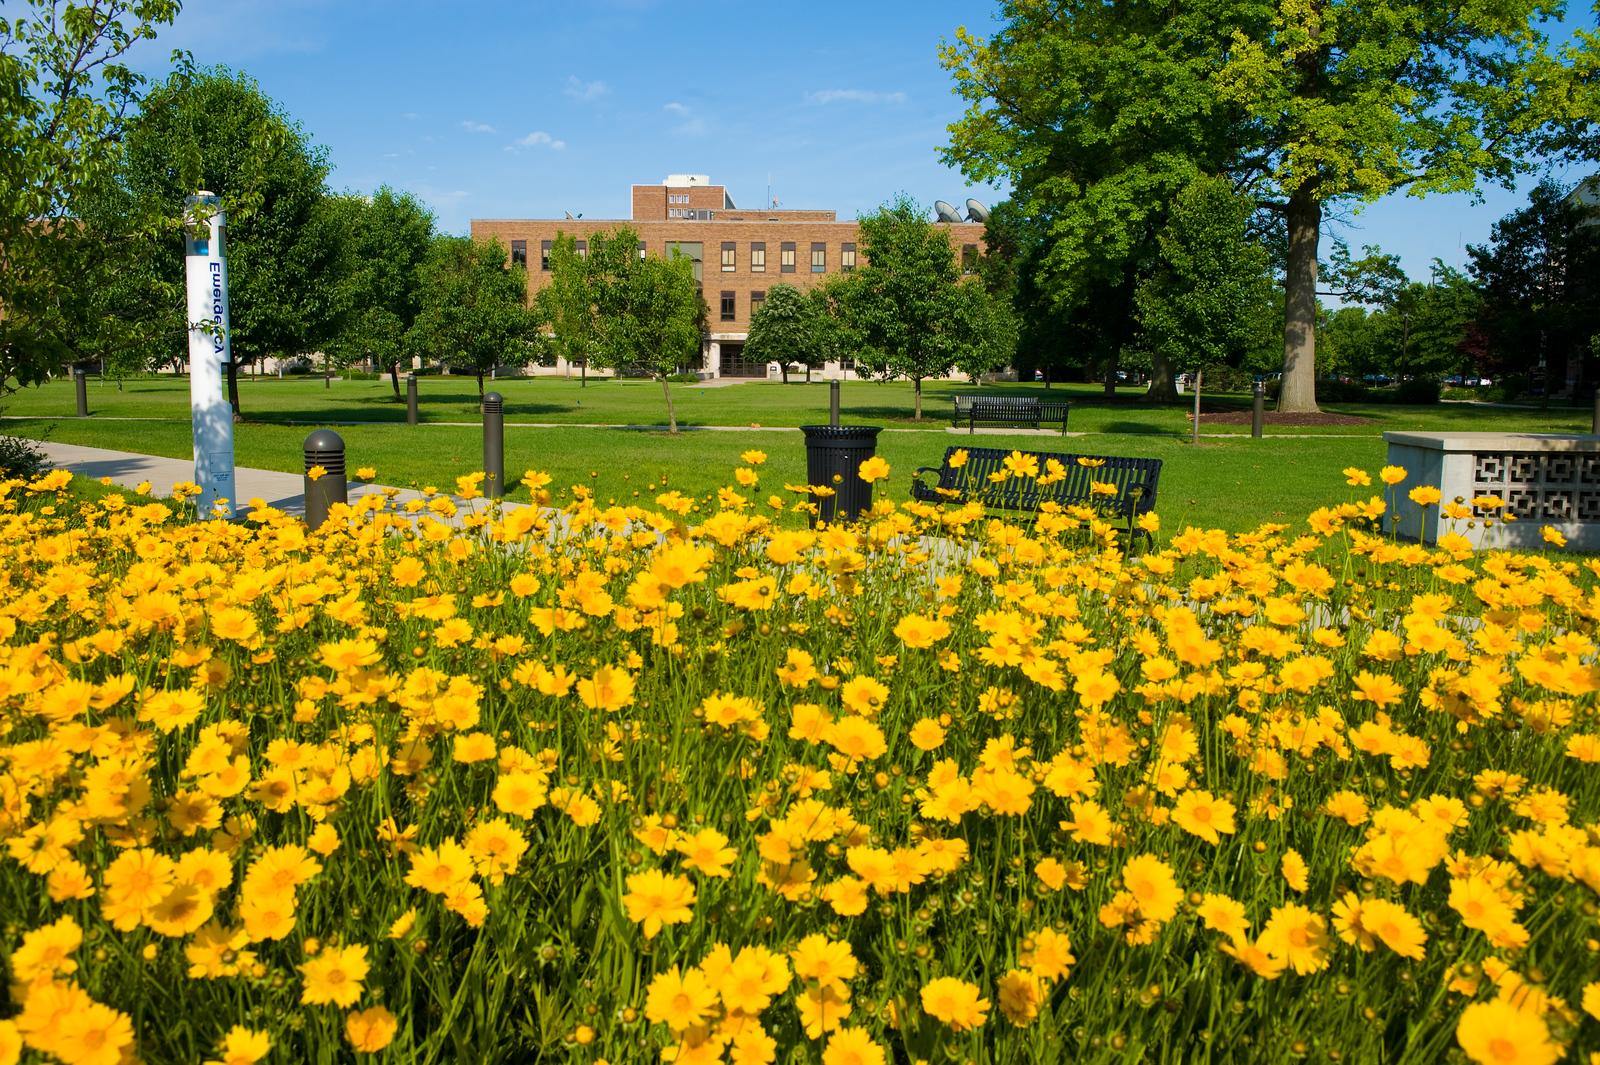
(493,402)
(325,448)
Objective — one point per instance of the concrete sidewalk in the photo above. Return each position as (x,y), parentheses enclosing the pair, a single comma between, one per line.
(282,491)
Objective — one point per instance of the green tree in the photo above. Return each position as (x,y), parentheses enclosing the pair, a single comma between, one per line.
(1209,302)
(626,312)
(474,314)
(912,316)
(384,240)
(66,94)
(1099,112)
(566,308)
(1539,276)
(793,328)
(216,130)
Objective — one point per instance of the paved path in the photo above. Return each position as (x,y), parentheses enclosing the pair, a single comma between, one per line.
(282,491)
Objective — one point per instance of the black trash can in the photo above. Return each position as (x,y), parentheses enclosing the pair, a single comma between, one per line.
(834,454)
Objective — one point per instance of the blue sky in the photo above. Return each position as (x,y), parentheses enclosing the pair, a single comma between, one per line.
(529,110)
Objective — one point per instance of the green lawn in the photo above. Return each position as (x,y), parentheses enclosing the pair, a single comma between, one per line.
(635,402)
(1230,481)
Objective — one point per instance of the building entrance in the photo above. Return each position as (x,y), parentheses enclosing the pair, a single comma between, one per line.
(735,365)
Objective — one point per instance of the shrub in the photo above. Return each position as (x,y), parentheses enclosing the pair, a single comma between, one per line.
(1417,391)
(21,458)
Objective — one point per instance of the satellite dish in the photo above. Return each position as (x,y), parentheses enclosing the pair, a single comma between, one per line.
(977,212)
(946,212)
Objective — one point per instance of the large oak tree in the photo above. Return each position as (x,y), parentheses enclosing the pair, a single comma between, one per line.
(1098,113)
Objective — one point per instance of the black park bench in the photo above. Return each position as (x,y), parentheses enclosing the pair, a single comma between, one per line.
(1135,481)
(1008,410)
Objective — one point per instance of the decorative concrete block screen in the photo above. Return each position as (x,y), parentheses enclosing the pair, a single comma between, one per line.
(1544,479)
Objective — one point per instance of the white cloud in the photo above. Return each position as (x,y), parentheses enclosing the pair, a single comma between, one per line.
(692,125)
(585,91)
(409,116)
(476,127)
(537,139)
(854,96)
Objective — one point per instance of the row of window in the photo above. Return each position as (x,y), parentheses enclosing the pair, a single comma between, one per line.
(786,257)
(730,255)
(729,304)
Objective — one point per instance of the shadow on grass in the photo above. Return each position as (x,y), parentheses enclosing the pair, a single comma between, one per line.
(1131,428)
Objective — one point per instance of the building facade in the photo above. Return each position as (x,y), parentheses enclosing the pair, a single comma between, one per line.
(738,255)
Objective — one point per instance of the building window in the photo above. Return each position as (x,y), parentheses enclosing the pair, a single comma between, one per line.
(519,253)
(786,257)
(819,258)
(583,249)
(758,257)
(544,254)
(727,306)
(730,256)
(757,298)
(847,257)
(694,250)
(969,258)
(641,249)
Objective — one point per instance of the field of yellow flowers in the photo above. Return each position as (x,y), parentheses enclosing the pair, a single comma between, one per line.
(687,784)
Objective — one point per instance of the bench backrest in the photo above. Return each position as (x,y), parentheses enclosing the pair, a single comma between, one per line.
(1130,475)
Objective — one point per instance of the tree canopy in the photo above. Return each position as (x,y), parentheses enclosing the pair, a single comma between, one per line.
(908,307)
(216,130)
(66,94)
(383,240)
(1099,113)
(473,314)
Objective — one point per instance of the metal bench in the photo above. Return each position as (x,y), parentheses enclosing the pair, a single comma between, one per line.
(1013,410)
(1135,481)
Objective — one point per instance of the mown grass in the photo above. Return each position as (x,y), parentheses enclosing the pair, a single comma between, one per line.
(633,402)
(1232,483)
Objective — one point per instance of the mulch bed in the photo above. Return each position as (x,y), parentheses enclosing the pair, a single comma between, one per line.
(1242,417)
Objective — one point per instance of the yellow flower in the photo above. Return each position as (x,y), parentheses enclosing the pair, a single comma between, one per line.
(955,1002)
(366,473)
(370,1030)
(1153,886)
(1392,475)
(243,1046)
(334,976)
(680,1000)
(655,899)
(1202,814)
(1500,1033)
(316,473)
(1424,495)
(852,1046)
(873,469)
(1356,477)
(1553,536)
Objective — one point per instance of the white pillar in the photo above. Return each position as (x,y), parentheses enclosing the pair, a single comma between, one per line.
(714,359)
(206,271)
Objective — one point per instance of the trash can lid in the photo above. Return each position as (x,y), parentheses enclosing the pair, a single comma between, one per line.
(840,432)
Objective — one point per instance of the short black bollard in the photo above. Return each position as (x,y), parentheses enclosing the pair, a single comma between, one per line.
(1258,408)
(494,445)
(324,448)
(411,399)
(833,404)
(834,455)
(80,381)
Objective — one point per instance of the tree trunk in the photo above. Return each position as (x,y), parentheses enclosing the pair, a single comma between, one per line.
(808,373)
(1198,375)
(1161,388)
(917,387)
(1299,395)
(394,378)
(1111,378)
(1047,376)
(672,419)
(480,384)
(233,388)
(783,371)
(583,374)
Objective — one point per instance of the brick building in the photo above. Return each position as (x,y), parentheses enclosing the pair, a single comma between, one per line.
(738,254)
